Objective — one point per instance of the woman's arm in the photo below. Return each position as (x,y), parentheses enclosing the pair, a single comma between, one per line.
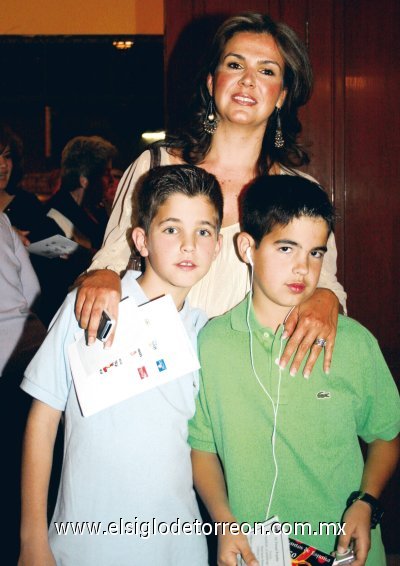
(328,279)
(116,250)
(100,288)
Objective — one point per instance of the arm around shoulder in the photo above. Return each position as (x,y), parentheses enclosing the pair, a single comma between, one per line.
(115,251)
(328,279)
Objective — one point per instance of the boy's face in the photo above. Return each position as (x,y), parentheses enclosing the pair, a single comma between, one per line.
(287,263)
(181,244)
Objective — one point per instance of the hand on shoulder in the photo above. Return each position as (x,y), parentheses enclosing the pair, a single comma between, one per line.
(97,291)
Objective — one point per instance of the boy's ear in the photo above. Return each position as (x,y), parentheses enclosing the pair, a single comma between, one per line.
(244,242)
(218,246)
(139,239)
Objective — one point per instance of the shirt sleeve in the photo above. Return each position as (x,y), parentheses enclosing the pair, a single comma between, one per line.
(29,280)
(200,431)
(378,413)
(48,377)
(201,436)
(116,249)
(328,279)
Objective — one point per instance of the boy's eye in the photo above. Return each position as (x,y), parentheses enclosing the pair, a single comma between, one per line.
(285,249)
(204,232)
(170,230)
(317,254)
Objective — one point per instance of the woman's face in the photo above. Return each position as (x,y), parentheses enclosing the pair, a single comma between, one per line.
(248,82)
(6,166)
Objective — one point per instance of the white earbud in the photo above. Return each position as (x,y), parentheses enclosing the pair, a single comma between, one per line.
(248,255)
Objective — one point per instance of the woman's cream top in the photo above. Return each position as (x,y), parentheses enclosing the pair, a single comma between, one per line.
(227,282)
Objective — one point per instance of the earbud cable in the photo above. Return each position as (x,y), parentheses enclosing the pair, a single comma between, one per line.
(275,406)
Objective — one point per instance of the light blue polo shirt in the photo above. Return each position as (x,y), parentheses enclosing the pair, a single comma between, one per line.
(128,464)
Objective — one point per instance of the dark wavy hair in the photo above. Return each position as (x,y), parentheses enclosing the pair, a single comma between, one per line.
(10,140)
(195,142)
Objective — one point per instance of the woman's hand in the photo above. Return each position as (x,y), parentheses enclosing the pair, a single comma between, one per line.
(315,318)
(23,234)
(98,290)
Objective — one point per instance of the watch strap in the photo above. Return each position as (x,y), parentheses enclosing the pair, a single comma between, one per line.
(376,507)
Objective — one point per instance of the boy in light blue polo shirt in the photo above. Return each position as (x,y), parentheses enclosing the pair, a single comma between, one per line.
(126,468)
(265,443)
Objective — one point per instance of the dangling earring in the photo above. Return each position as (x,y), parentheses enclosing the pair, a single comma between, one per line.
(211,122)
(279,141)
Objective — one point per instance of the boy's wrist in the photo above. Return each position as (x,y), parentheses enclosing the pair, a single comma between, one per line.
(375,505)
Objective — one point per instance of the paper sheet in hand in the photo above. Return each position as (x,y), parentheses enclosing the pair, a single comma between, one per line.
(151,348)
(270,549)
(53,247)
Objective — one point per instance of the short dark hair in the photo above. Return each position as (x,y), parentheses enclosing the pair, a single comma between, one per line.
(87,156)
(9,139)
(162,182)
(278,199)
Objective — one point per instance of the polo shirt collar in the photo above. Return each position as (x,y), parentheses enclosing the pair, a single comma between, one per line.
(239,318)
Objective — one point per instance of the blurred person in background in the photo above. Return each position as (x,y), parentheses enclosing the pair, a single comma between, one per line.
(86,176)
(78,210)
(21,334)
(23,209)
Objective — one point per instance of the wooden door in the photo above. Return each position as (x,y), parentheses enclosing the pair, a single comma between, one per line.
(352,123)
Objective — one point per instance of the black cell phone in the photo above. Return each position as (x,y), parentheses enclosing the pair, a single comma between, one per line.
(105,326)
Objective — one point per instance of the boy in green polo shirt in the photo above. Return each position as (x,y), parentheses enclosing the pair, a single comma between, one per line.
(265,443)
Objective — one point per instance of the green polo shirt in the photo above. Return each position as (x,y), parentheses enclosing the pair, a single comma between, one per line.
(318,424)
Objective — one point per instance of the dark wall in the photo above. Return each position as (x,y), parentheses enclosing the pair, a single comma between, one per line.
(89,86)
(351,126)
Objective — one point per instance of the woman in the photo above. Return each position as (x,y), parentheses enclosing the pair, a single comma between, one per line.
(23,209)
(244,124)
(78,211)
(78,208)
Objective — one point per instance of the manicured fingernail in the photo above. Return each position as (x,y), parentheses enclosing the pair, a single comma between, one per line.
(306,374)
(91,340)
(293,372)
(277,361)
(284,335)
(327,371)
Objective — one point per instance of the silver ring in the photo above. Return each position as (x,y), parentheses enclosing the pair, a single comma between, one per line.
(320,342)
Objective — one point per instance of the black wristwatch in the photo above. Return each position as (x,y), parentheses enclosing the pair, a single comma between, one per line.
(376,507)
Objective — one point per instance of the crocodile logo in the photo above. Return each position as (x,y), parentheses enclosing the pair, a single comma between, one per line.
(323,395)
